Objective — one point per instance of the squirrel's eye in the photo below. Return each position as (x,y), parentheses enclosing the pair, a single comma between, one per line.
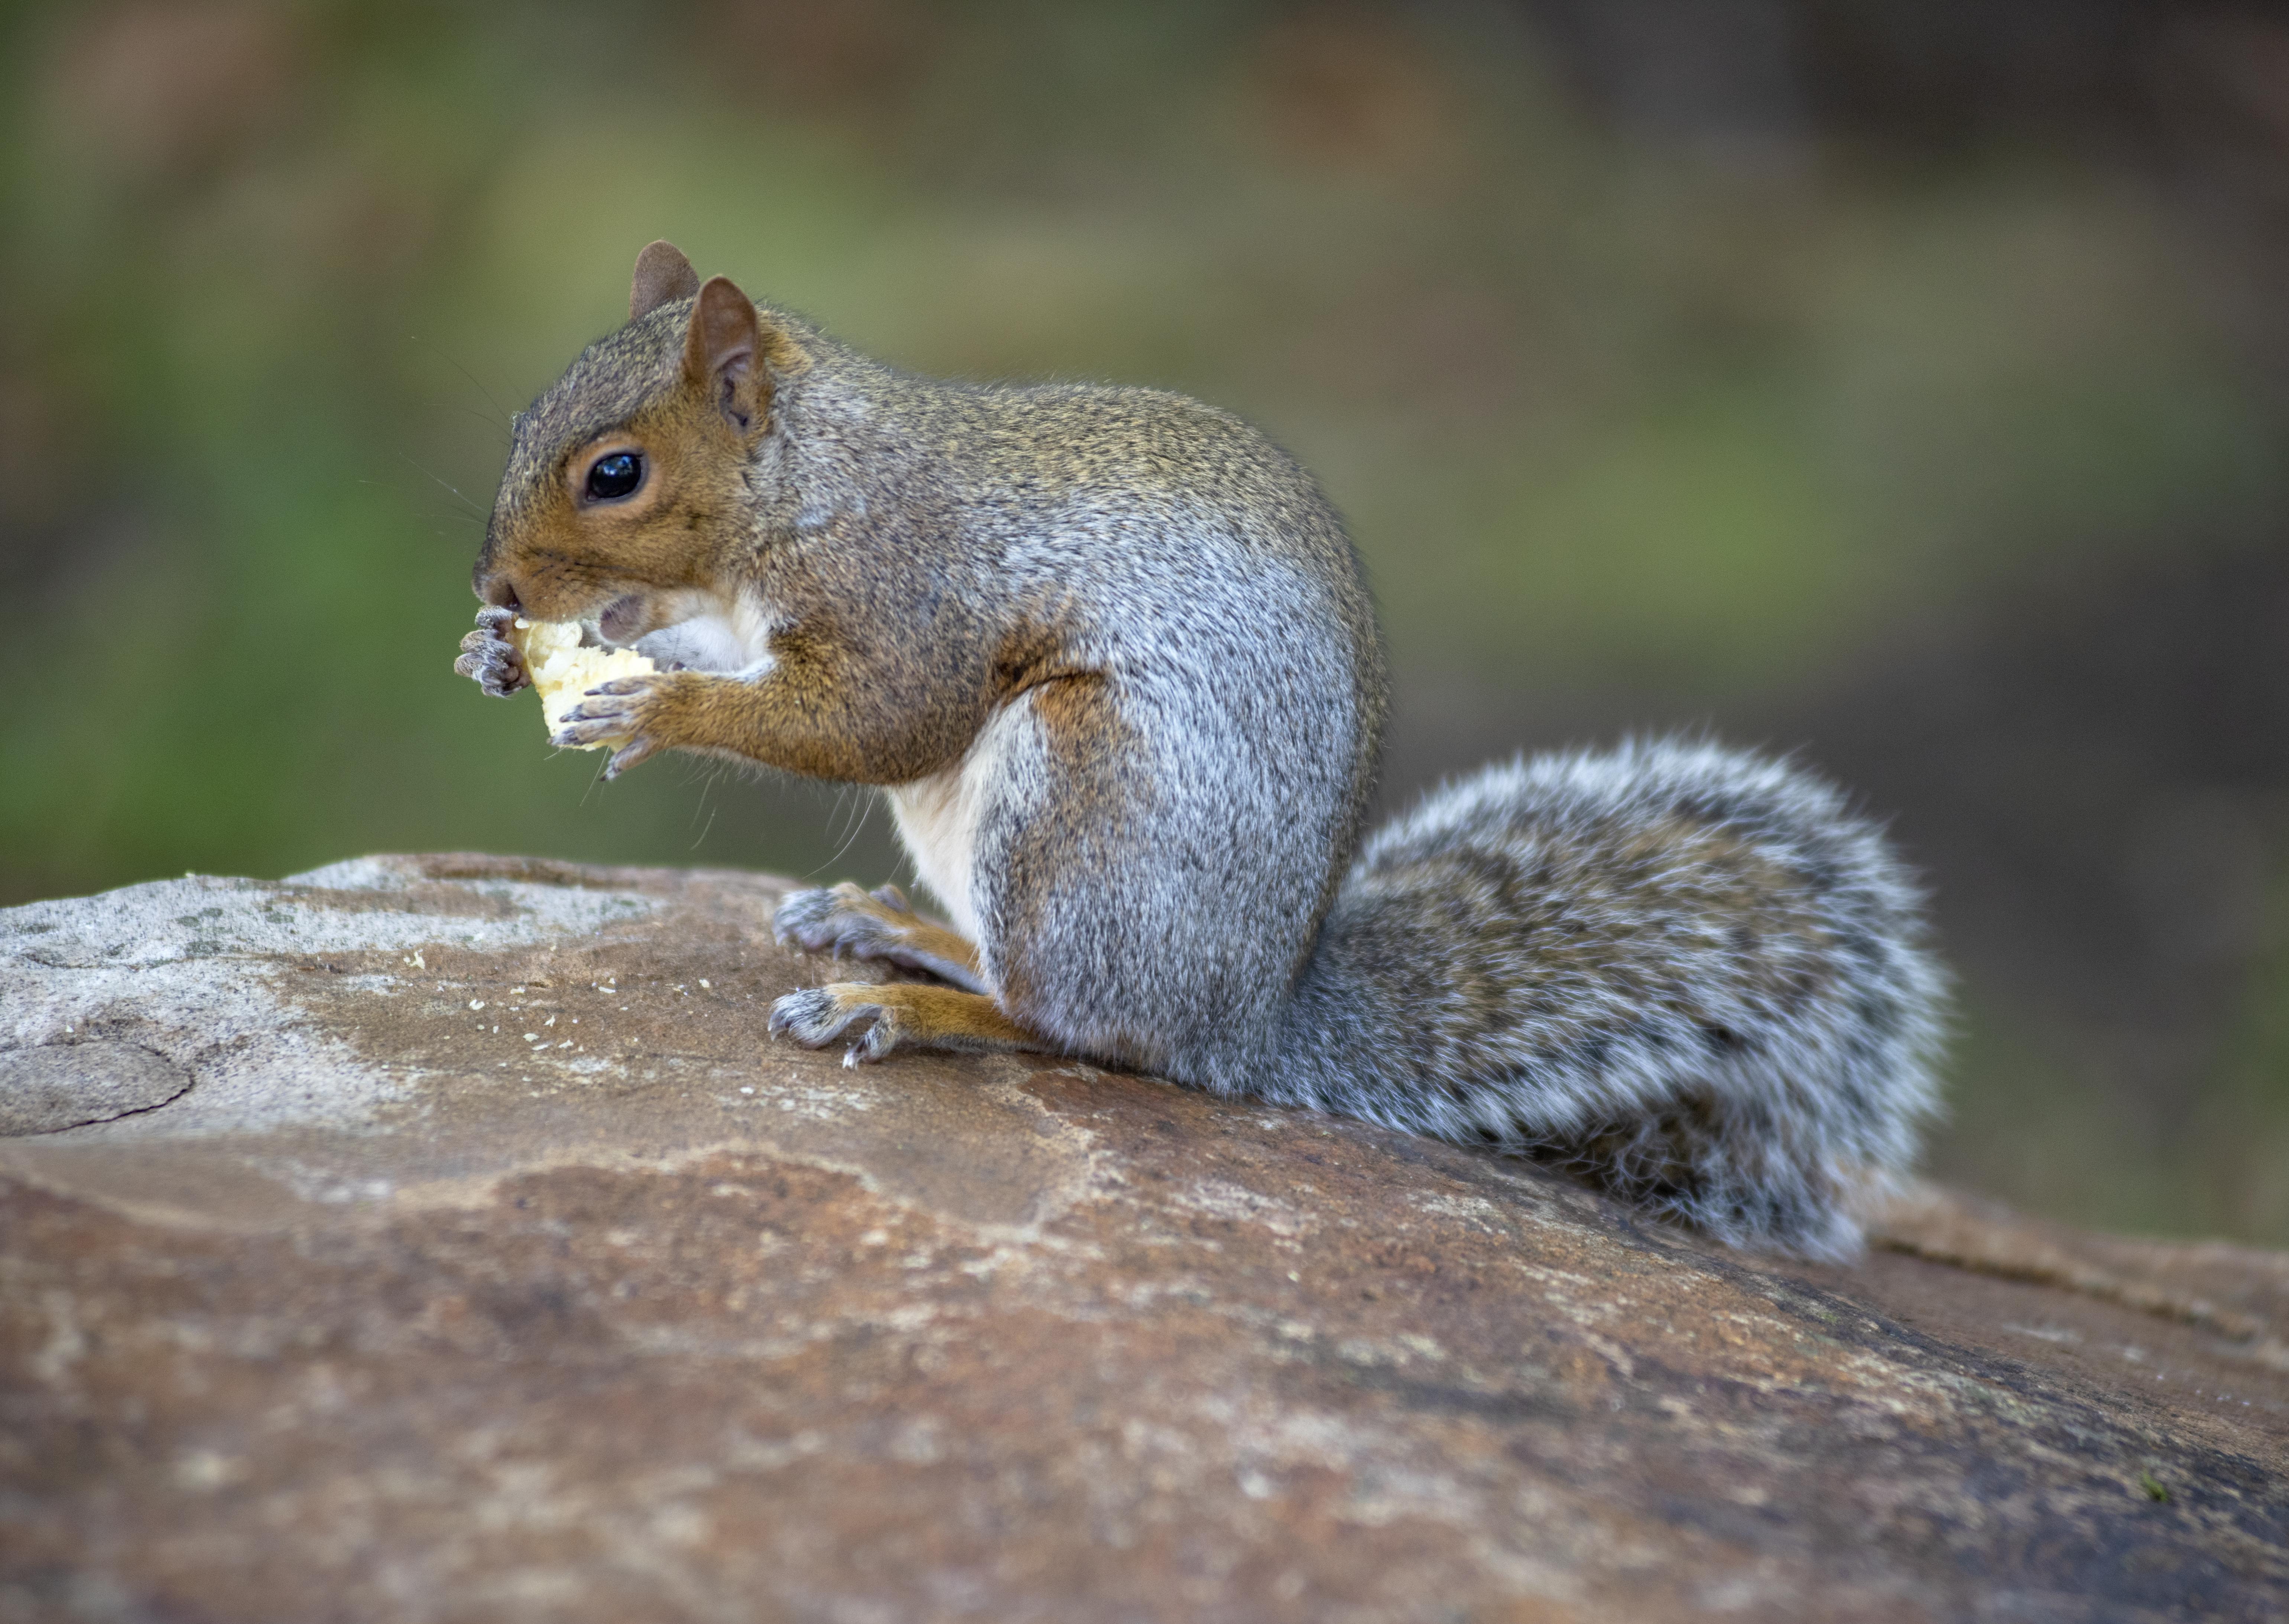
(614,476)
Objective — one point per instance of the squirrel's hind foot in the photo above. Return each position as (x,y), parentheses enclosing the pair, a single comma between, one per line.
(889,1016)
(880,924)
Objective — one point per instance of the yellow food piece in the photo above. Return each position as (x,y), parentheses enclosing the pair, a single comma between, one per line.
(562,670)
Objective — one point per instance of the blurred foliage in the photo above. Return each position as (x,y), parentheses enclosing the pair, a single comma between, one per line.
(1640,418)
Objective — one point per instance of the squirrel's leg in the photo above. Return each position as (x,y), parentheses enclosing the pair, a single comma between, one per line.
(808,711)
(898,1014)
(880,924)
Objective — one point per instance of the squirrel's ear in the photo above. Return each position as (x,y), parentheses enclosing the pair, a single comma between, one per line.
(723,352)
(662,274)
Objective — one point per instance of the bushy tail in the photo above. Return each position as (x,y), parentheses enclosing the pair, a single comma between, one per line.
(1688,973)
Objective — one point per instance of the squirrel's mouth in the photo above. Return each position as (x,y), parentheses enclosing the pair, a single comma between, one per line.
(622,621)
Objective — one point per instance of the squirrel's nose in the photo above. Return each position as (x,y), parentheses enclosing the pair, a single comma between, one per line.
(497,591)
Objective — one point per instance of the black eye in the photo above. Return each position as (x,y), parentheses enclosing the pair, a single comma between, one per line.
(614,476)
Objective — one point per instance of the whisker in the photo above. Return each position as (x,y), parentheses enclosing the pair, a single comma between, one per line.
(602,762)
(506,415)
(865,811)
(507,439)
(418,468)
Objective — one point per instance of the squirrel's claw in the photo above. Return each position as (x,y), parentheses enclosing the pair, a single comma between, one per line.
(629,755)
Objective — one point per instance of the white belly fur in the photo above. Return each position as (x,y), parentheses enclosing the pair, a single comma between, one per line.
(709,635)
(937,817)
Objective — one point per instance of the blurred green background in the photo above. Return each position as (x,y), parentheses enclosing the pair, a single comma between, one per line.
(1902,383)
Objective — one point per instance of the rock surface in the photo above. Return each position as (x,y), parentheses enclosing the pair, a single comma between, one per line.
(58,1085)
(494,1264)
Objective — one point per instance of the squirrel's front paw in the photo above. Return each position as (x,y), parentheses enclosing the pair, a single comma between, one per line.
(817,1016)
(488,655)
(627,712)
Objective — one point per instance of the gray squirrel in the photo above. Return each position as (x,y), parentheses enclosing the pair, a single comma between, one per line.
(1109,655)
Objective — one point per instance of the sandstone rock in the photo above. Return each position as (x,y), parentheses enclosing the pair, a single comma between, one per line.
(496,1265)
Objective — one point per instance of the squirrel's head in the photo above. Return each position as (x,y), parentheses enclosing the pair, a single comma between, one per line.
(627,480)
